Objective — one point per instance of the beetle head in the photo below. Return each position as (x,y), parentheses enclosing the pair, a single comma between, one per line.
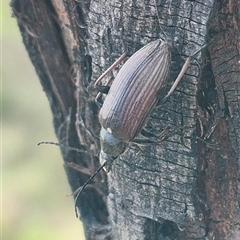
(111,148)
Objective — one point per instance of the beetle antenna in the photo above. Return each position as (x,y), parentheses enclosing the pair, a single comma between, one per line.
(155,4)
(84,185)
(80,190)
(62,145)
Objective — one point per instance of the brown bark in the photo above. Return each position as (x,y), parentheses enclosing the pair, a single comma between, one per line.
(185,188)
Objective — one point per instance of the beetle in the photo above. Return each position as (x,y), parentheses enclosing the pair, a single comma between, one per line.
(132,95)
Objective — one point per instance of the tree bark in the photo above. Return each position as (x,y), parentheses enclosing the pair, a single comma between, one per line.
(185,188)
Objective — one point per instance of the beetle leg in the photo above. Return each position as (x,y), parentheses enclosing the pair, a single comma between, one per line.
(99,97)
(115,64)
(158,138)
(98,100)
(148,134)
(180,75)
(161,101)
(145,142)
(105,89)
(102,90)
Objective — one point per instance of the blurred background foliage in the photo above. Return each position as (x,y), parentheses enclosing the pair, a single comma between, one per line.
(34,205)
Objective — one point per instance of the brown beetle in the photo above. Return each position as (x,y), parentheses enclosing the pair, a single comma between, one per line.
(133,94)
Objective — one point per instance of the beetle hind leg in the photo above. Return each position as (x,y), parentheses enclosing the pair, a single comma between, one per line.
(151,138)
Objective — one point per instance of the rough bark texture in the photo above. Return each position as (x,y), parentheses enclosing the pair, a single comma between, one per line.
(185,188)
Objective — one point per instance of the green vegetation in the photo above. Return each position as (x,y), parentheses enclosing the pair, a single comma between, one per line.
(34,201)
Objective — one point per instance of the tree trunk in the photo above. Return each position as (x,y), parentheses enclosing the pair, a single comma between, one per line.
(184,188)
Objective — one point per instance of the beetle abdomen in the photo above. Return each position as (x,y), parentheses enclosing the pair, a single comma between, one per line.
(135,90)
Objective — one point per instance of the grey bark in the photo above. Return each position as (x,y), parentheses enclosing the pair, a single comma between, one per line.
(185,188)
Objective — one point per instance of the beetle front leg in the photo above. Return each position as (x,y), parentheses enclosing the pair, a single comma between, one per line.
(105,89)
(115,64)
(163,100)
(180,75)
(102,90)
(98,100)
